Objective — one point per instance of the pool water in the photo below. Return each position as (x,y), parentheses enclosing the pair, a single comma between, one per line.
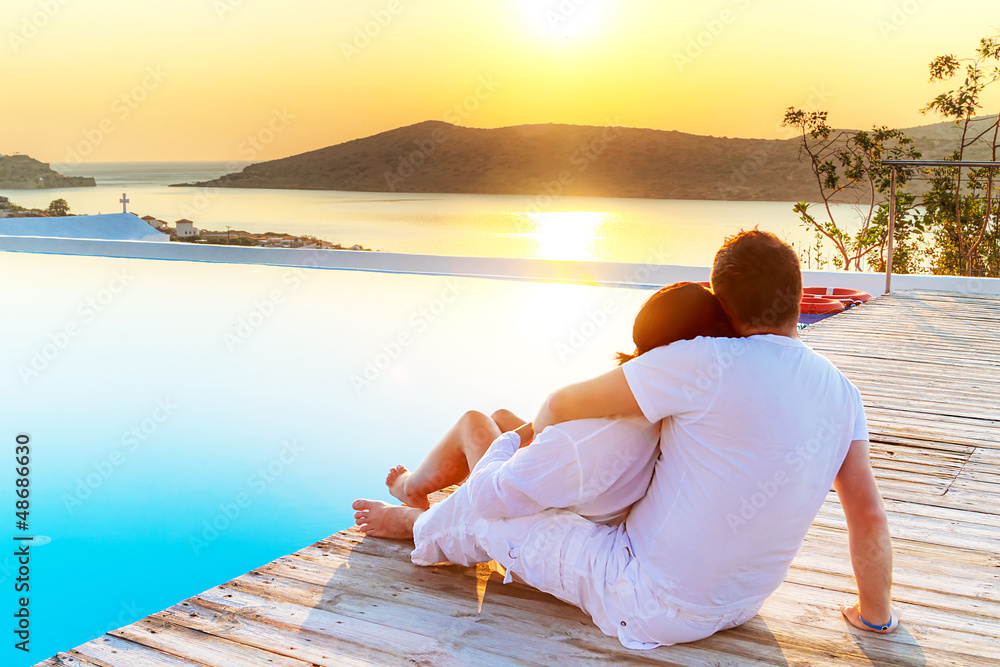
(190,421)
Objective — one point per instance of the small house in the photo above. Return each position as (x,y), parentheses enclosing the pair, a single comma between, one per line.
(153,222)
(185,228)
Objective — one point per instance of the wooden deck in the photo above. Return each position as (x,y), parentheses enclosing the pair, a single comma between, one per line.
(928,365)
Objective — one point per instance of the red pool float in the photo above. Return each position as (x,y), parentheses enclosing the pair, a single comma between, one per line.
(814,308)
(848,297)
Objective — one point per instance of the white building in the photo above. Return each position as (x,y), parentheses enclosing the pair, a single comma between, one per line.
(153,222)
(185,228)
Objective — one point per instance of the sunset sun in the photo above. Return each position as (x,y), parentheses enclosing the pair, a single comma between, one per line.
(566,20)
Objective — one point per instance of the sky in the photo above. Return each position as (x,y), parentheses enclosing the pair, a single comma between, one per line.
(117,80)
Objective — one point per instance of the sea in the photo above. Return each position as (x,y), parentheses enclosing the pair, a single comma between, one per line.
(681,232)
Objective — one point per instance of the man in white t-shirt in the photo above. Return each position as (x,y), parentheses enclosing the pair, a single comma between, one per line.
(754,432)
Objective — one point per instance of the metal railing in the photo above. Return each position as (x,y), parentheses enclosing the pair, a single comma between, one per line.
(895,164)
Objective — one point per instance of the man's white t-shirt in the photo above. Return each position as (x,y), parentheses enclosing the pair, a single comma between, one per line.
(754,431)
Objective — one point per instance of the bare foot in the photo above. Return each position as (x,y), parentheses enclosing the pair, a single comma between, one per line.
(380,519)
(853,615)
(417,500)
(396,481)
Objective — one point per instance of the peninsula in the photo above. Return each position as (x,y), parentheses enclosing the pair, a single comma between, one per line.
(20,172)
(549,159)
(552,159)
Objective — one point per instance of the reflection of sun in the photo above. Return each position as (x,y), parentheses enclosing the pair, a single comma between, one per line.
(568,19)
(565,235)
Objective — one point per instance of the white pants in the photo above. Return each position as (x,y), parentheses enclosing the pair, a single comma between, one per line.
(558,552)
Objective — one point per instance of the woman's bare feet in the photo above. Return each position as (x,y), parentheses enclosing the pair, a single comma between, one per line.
(397,480)
(380,519)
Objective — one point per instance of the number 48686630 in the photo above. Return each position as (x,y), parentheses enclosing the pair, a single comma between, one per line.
(22,457)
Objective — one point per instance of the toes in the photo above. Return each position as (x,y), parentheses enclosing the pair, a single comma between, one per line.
(361,504)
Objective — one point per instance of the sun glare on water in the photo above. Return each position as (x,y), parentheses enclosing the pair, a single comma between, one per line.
(565,19)
(566,235)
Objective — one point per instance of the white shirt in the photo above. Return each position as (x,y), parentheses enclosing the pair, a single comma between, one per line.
(760,427)
(593,467)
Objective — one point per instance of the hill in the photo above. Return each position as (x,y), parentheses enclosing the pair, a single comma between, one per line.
(541,160)
(20,172)
(941,139)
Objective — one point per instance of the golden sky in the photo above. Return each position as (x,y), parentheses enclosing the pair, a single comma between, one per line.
(116,80)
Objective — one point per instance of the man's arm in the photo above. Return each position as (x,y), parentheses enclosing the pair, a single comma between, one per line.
(869,540)
(607,395)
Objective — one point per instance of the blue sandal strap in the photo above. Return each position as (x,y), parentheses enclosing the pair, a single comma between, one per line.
(873,626)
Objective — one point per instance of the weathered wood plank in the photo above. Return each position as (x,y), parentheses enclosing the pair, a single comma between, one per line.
(816,603)
(970,565)
(115,652)
(446,647)
(256,633)
(75,659)
(816,608)
(200,647)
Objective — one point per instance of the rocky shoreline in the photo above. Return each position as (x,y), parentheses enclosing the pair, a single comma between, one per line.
(20,172)
(184,231)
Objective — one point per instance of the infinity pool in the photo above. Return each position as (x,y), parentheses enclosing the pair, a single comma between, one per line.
(191,421)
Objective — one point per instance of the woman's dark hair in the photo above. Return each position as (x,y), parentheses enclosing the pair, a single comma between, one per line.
(682,311)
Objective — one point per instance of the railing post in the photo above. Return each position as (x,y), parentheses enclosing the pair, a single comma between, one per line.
(892,230)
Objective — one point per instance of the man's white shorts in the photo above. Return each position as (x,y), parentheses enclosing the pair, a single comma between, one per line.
(585,564)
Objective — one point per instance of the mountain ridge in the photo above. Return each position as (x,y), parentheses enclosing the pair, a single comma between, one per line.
(545,160)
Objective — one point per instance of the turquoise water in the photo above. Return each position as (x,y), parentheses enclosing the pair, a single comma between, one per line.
(204,419)
(568,228)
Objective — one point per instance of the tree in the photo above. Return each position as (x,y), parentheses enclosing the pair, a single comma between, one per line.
(59,207)
(963,213)
(848,168)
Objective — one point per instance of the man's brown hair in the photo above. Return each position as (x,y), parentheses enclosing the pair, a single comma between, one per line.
(758,280)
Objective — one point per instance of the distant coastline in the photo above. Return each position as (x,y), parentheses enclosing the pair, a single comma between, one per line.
(545,161)
(184,231)
(20,172)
